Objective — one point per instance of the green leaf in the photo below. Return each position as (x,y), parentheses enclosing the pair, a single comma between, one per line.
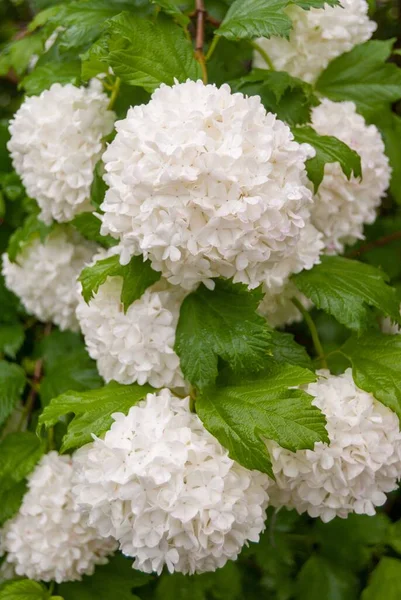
(171,8)
(328,150)
(24,589)
(92,410)
(376,366)
(146,54)
(221,323)
(390,127)
(137,276)
(88,226)
(11,338)
(286,350)
(98,187)
(12,383)
(394,536)
(114,580)
(8,303)
(18,54)
(43,76)
(364,77)
(19,453)
(320,579)
(94,61)
(238,415)
(385,581)
(11,500)
(290,98)
(31,229)
(230,62)
(346,288)
(262,18)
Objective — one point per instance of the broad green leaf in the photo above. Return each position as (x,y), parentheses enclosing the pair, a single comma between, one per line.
(24,589)
(114,580)
(290,98)
(389,124)
(94,61)
(53,348)
(30,229)
(239,415)
(320,579)
(364,77)
(43,76)
(385,581)
(19,453)
(286,350)
(221,323)
(222,584)
(74,371)
(328,149)
(98,187)
(262,18)
(92,410)
(12,383)
(11,338)
(146,53)
(11,500)
(394,536)
(137,276)
(376,366)
(229,62)
(171,8)
(8,303)
(88,226)
(346,288)
(18,54)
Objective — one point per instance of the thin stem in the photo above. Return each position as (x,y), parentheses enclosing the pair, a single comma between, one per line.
(262,53)
(313,331)
(212,47)
(200,37)
(383,241)
(114,93)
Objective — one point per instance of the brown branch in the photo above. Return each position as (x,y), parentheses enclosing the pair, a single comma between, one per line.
(200,37)
(383,241)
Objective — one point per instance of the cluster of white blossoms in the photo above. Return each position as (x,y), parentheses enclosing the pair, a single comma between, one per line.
(56,141)
(166,489)
(44,275)
(355,471)
(342,207)
(49,538)
(205,183)
(136,346)
(318,36)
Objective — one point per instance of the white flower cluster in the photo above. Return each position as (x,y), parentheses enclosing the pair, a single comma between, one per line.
(49,538)
(56,141)
(359,466)
(167,490)
(136,346)
(343,207)
(44,275)
(205,183)
(318,36)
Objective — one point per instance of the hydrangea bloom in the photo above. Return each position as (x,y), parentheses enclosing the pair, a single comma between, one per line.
(49,539)
(44,276)
(343,207)
(318,36)
(136,346)
(56,141)
(353,473)
(205,183)
(168,491)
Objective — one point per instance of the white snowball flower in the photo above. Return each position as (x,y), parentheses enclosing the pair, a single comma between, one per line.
(56,141)
(343,207)
(136,346)
(353,473)
(167,490)
(44,276)
(205,183)
(318,36)
(49,538)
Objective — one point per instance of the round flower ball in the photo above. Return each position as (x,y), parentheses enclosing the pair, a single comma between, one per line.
(351,474)
(168,491)
(44,275)
(49,539)
(205,183)
(137,345)
(56,141)
(317,37)
(342,207)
